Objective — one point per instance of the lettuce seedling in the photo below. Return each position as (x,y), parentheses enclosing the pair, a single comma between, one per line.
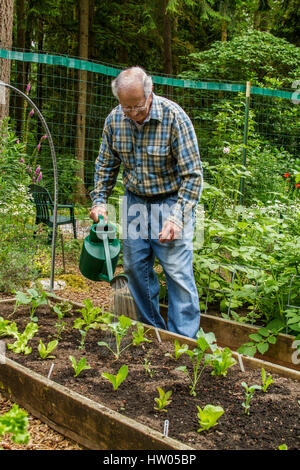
(220,360)
(15,422)
(209,416)
(20,345)
(204,342)
(179,349)
(46,350)
(80,366)
(117,379)
(163,399)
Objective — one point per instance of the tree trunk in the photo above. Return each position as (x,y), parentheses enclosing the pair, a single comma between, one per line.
(80,195)
(167,39)
(6,25)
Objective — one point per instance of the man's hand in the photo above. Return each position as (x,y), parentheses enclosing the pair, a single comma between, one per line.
(96,212)
(170,231)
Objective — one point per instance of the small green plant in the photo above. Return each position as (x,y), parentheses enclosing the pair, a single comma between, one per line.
(205,341)
(220,360)
(32,297)
(139,335)
(91,317)
(120,329)
(117,379)
(3,326)
(80,366)
(15,422)
(179,349)
(61,309)
(20,345)
(162,400)
(266,380)
(249,392)
(147,368)
(209,416)
(283,447)
(45,351)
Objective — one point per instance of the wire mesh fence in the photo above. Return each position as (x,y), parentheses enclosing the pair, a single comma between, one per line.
(248,143)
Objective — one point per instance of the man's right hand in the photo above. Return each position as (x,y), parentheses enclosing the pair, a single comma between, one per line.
(96,212)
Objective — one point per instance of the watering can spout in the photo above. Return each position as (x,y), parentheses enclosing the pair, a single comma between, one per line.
(100,252)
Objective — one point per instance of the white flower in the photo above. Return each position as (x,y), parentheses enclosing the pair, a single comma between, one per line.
(226,150)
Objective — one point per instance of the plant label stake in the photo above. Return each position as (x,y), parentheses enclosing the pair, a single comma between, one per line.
(158,335)
(166,428)
(241,363)
(50,370)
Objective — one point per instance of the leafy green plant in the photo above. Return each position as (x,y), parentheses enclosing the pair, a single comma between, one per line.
(61,309)
(266,380)
(261,341)
(208,416)
(179,349)
(91,317)
(220,360)
(3,326)
(117,379)
(162,400)
(249,392)
(80,366)
(46,350)
(20,345)
(119,330)
(205,341)
(15,422)
(32,297)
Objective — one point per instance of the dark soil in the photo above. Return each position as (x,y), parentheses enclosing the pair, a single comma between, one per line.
(274,415)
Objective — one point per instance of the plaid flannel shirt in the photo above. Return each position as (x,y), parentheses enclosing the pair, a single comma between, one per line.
(160,158)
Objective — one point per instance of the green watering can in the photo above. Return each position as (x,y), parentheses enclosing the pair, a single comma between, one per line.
(100,253)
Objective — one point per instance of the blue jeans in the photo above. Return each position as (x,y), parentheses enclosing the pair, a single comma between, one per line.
(142,221)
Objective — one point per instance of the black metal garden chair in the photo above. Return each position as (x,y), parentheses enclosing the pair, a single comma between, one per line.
(44,210)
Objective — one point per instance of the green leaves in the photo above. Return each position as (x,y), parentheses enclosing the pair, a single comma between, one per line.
(209,416)
(80,366)
(117,379)
(15,422)
(162,400)
(20,345)
(220,361)
(261,340)
(45,351)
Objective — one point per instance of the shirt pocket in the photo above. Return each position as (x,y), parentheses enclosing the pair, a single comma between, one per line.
(159,158)
(124,149)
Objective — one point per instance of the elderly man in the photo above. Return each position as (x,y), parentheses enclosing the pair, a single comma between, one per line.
(155,141)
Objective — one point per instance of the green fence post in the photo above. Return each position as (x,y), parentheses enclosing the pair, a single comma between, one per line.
(245,140)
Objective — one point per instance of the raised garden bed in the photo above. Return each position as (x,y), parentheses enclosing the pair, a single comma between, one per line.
(88,410)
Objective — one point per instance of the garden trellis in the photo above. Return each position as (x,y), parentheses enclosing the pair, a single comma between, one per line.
(248,139)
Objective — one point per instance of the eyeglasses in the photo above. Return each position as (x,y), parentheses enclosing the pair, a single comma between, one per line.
(138,109)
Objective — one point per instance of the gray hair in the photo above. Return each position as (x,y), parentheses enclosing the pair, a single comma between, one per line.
(130,77)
